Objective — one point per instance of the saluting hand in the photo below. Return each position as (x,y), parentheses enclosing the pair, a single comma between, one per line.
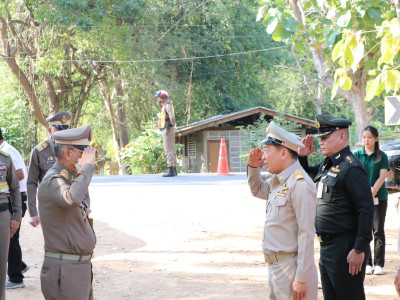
(14,225)
(355,261)
(88,156)
(309,146)
(255,158)
(299,290)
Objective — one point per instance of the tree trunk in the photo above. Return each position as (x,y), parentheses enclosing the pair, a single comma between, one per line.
(105,91)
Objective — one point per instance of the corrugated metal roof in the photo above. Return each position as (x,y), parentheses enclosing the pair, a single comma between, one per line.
(220,119)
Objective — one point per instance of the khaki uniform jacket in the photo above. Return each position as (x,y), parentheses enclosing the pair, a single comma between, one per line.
(9,181)
(291,204)
(42,159)
(64,217)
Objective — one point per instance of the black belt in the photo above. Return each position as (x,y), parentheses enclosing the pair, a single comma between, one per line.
(3,206)
(325,237)
(24,194)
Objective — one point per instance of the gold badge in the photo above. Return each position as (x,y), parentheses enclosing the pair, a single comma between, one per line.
(298,174)
(318,125)
(349,159)
(335,170)
(283,187)
(64,119)
(337,156)
(281,178)
(64,173)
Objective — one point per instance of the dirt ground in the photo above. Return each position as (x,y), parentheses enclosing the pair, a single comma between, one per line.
(182,240)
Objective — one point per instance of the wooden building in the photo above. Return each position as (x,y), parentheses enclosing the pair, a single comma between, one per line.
(201,139)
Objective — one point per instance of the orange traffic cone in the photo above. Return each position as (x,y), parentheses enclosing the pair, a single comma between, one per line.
(223,168)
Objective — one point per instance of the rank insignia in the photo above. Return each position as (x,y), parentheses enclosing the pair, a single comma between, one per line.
(337,156)
(283,187)
(349,159)
(298,174)
(335,170)
(64,173)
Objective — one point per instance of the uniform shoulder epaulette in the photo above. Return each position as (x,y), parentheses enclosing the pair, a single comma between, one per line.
(298,174)
(4,153)
(64,173)
(349,159)
(42,146)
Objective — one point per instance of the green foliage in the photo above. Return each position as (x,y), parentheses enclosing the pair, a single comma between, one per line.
(352,36)
(145,155)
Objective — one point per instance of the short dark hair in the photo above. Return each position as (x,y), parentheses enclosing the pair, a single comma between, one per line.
(292,153)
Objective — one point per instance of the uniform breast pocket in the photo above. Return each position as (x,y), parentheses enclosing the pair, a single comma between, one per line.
(328,183)
(277,209)
(46,165)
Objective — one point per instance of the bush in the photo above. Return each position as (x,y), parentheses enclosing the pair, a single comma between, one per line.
(146,155)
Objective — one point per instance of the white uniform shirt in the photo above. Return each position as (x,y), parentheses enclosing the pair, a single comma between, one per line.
(17,161)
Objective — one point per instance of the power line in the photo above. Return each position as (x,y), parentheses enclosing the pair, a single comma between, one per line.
(155,60)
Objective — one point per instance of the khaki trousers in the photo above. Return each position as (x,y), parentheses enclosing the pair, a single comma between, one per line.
(66,280)
(5,219)
(169,146)
(281,276)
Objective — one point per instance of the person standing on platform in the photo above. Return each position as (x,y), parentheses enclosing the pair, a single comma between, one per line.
(16,267)
(167,125)
(345,210)
(42,159)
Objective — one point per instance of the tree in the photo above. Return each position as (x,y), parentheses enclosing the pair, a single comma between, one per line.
(339,40)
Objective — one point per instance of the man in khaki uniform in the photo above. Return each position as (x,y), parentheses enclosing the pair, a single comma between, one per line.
(42,159)
(69,238)
(9,223)
(167,125)
(289,230)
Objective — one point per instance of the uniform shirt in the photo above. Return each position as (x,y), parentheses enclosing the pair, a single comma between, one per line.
(289,224)
(373,169)
(65,223)
(42,159)
(344,199)
(9,184)
(18,163)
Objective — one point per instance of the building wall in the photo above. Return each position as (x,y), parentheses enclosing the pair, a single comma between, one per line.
(237,146)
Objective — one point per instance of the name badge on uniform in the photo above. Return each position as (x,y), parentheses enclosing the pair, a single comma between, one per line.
(320,189)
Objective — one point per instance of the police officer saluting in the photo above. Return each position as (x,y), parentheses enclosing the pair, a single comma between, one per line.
(9,223)
(69,238)
(289,230)
(345,210)
(42,159)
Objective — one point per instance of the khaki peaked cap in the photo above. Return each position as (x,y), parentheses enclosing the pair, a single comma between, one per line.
(279,136)
(60,118)
(80,136)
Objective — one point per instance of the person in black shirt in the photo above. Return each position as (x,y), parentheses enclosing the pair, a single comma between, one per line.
(345,210)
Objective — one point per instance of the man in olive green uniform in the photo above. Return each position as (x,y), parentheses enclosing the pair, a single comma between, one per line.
(42,159)
(289,231)
(69,238)
(167,125)
(9,223)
